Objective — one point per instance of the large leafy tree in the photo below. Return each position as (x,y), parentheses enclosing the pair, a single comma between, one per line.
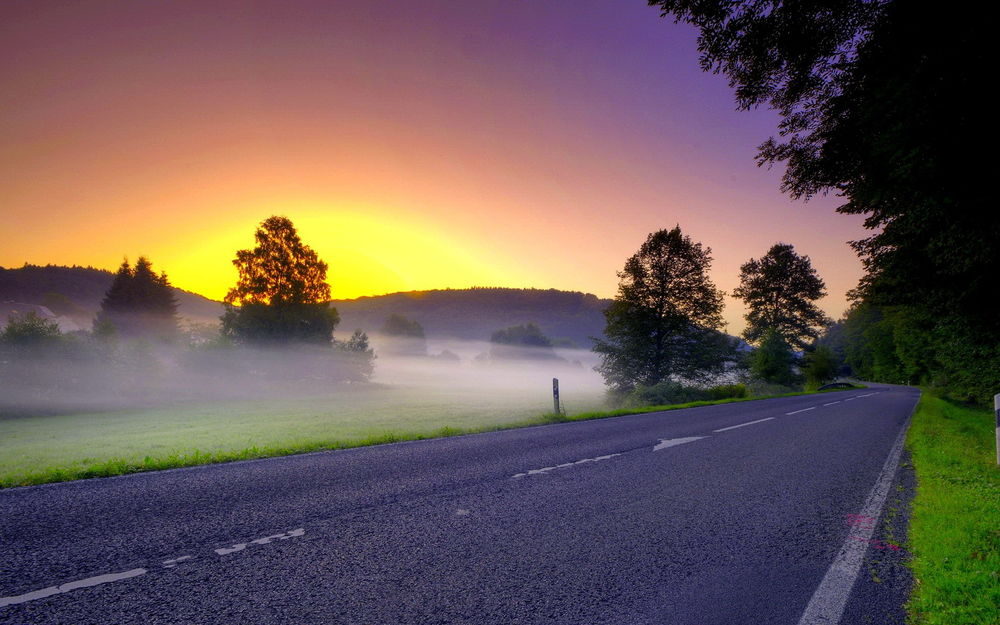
(665,318)
(881,103)
(138,304)
(780,290)
(281,295)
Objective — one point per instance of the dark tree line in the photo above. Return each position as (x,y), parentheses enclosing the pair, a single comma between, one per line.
(882,104)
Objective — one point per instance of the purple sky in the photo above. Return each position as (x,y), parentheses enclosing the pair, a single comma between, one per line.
(415,144)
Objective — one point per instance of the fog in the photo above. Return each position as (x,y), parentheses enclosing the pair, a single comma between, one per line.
(82,374)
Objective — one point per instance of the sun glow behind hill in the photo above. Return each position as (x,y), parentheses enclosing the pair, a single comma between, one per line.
(368,253)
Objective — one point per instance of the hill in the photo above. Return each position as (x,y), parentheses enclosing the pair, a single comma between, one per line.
(478,312)
(82,289)
(449,313)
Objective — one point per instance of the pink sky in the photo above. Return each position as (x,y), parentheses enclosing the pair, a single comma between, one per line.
(450,144)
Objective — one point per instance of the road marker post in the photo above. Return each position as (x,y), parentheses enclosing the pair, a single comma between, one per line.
(996,411)
(555,396)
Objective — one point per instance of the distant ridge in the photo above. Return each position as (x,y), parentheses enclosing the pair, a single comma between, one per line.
(478,312)
(444,313)
(85,288)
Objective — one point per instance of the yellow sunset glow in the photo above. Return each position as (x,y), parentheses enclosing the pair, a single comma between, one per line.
(367,252)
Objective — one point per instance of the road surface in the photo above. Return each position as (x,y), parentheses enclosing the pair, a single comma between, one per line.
(758,512)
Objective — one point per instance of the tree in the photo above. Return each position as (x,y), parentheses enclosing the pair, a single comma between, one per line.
(522,341)
(138,304)
(281,294)
(29,331)
(664,320)
(773,359)
(881,103)
(398,325)
(780,289)
(820,366)
(404,336)
(362,357)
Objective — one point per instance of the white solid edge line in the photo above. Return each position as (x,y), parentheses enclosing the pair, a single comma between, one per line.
(828,602)
(798,411)
(733,427)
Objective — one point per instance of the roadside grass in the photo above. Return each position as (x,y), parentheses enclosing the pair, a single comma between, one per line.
(954,530)
(40,450)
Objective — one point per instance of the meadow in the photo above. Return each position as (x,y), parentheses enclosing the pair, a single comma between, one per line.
(41,449)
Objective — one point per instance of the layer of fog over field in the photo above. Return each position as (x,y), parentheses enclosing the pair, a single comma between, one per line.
(139,404)
(138,375)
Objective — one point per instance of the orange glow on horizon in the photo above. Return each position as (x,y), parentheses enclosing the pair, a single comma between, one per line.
(367,254)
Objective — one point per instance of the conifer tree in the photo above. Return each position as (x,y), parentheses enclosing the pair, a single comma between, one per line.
(138,304)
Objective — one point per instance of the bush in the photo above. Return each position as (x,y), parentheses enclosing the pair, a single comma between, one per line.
(671,392)
(727,391)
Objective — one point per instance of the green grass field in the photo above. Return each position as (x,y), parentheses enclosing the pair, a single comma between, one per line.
(955,524)
(36,450)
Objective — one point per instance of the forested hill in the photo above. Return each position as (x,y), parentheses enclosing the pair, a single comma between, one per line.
(81,290)
(476,313)
(460,313)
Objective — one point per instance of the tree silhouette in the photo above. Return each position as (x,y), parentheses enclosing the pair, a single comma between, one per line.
(780,289)
(522,341)
(281,294)
(138,304)
(399,325)
(664,321)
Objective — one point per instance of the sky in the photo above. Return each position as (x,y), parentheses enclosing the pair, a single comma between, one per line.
(415,145)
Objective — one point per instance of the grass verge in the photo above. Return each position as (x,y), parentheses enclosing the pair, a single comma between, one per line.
(63,470)
(955,522)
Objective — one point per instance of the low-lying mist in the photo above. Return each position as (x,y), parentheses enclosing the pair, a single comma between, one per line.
(87,375)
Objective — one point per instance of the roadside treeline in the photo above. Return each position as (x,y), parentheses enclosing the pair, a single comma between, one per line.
(881,104)
(907,345)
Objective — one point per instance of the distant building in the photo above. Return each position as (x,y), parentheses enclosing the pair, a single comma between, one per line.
(14,309)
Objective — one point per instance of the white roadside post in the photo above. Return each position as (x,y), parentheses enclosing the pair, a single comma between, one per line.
(555,396)
(996,411)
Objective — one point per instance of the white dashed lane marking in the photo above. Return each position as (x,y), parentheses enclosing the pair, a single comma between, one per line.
(80,583)
(114,577)
(169,564)
(563,465)
(741,425)
(260,541)
(803,410)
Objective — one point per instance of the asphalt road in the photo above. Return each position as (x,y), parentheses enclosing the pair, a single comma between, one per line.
(752,512)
